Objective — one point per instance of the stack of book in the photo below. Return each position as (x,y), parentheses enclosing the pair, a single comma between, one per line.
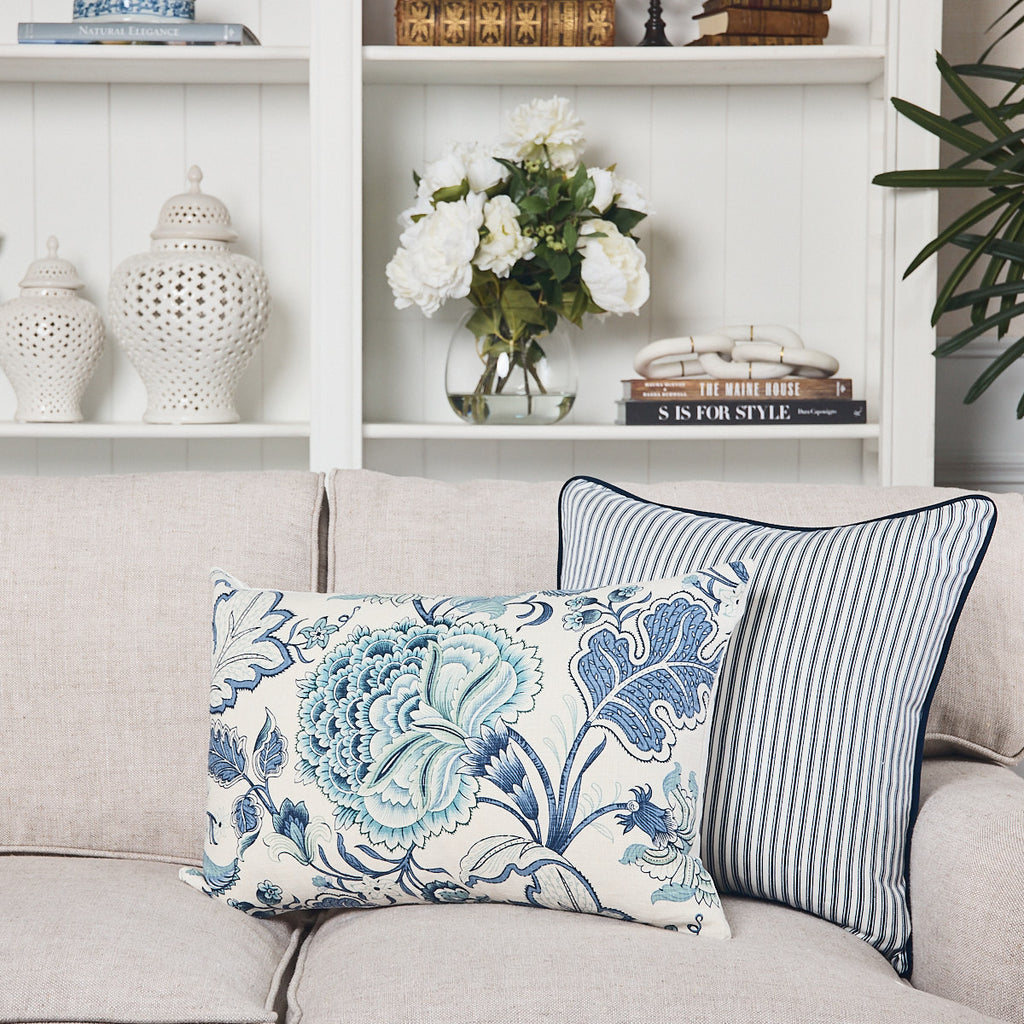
(715,402)
(762,23)
(505,22)
(185,33)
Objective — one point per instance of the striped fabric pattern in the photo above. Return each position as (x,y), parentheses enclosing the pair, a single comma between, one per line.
(822,703)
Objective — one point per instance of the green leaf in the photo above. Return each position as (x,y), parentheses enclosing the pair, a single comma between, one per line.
(946,177)
(520,306)
(533,204)
(966,220)
(983,294)
(1005,32)
(625,220)
(961,338)
(583,194)
(993,153)
(970,98)
(560,265)
(1003,362)
(483,321)
(946,130)
(570,236)
(965,265)
(451,193)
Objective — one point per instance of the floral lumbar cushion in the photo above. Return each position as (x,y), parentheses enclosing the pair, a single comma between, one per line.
(547,749)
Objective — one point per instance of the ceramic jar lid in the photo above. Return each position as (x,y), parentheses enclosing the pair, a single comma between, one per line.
(194,214)
(52,272)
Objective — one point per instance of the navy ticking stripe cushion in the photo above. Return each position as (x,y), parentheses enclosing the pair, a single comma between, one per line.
(822,703)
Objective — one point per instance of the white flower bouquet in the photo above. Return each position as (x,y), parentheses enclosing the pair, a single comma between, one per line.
(528,234)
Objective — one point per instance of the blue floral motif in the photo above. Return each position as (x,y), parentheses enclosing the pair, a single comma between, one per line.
(319,633)
(387,714)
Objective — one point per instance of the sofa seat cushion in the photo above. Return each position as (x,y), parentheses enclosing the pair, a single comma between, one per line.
(477,964)
(98,939)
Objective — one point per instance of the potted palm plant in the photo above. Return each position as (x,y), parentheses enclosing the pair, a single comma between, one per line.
(989,277)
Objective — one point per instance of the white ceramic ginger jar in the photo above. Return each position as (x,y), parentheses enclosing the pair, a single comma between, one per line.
(50,341)
(190,313)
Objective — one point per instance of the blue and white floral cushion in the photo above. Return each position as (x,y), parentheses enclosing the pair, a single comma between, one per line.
(546,750)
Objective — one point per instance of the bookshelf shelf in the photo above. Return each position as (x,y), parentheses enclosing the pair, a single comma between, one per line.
(154,65)
(152,431)
(622,66)
(612,432)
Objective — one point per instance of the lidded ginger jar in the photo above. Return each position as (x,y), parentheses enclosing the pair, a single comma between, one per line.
(50,341)
(190,313)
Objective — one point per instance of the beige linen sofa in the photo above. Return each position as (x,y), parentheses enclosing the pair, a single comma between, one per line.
(105,605)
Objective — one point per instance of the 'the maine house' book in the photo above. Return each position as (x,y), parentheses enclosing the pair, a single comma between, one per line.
(690,388)
(741,412)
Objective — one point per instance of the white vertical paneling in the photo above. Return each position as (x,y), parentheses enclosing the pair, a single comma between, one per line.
(399,458)
(762,228)
(19,457)
(132,455)
(284,22)
(618,127)
(285,213)
(71,134)
(79,457)
(460,460)
(14,11)
(17,227)
(52,10)
(834,221)
(393,147)
(686,460)
(546,460)
(830,462)
(223,136)
(208,454)
(284,453)
(245,11)
(761,461)
(147,163)
(611,460)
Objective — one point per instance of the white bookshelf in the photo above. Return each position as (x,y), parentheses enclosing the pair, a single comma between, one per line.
(757,162)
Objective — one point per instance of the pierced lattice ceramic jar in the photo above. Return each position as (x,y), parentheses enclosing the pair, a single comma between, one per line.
(50,341)
(190,313)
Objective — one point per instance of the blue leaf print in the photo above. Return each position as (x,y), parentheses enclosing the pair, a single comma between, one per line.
(244,650)
(644,687)
(227,755)
(245,815)
(270,753)
(675,892)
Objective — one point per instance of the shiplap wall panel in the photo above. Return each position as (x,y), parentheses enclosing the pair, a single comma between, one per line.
(126,149)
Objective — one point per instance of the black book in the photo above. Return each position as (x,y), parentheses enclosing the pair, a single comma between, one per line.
(740,412)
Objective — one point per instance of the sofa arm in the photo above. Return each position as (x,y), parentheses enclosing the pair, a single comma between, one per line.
(967,886)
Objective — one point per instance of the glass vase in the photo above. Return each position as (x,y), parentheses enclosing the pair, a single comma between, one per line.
(500,377)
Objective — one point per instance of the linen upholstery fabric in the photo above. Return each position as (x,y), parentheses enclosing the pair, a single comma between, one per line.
(389,533)
(494,964)
(545,749)
(101,939)
(967,868)
(816,747)
(104,624)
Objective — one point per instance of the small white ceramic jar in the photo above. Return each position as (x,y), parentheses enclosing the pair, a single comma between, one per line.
(50,341)
(190,313)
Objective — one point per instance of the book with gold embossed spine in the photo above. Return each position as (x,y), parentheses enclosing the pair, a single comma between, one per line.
(505,22)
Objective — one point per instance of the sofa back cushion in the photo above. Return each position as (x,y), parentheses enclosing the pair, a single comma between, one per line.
(389,533)
(105,629)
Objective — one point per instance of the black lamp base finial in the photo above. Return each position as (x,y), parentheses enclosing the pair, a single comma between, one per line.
(655,26)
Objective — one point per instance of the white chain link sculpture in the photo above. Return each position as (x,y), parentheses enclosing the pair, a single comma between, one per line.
(753,351)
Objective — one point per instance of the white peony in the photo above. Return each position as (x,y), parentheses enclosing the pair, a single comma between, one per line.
(433,262)
(503,241)
(547,125)
(614,268)
(461,161)
(610,188)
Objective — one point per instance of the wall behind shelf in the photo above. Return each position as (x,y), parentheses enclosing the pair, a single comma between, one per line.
(92,165)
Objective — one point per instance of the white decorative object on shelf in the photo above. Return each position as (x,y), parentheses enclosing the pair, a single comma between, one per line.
(756,351)
(190,313)
(134,10)
(50,341)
